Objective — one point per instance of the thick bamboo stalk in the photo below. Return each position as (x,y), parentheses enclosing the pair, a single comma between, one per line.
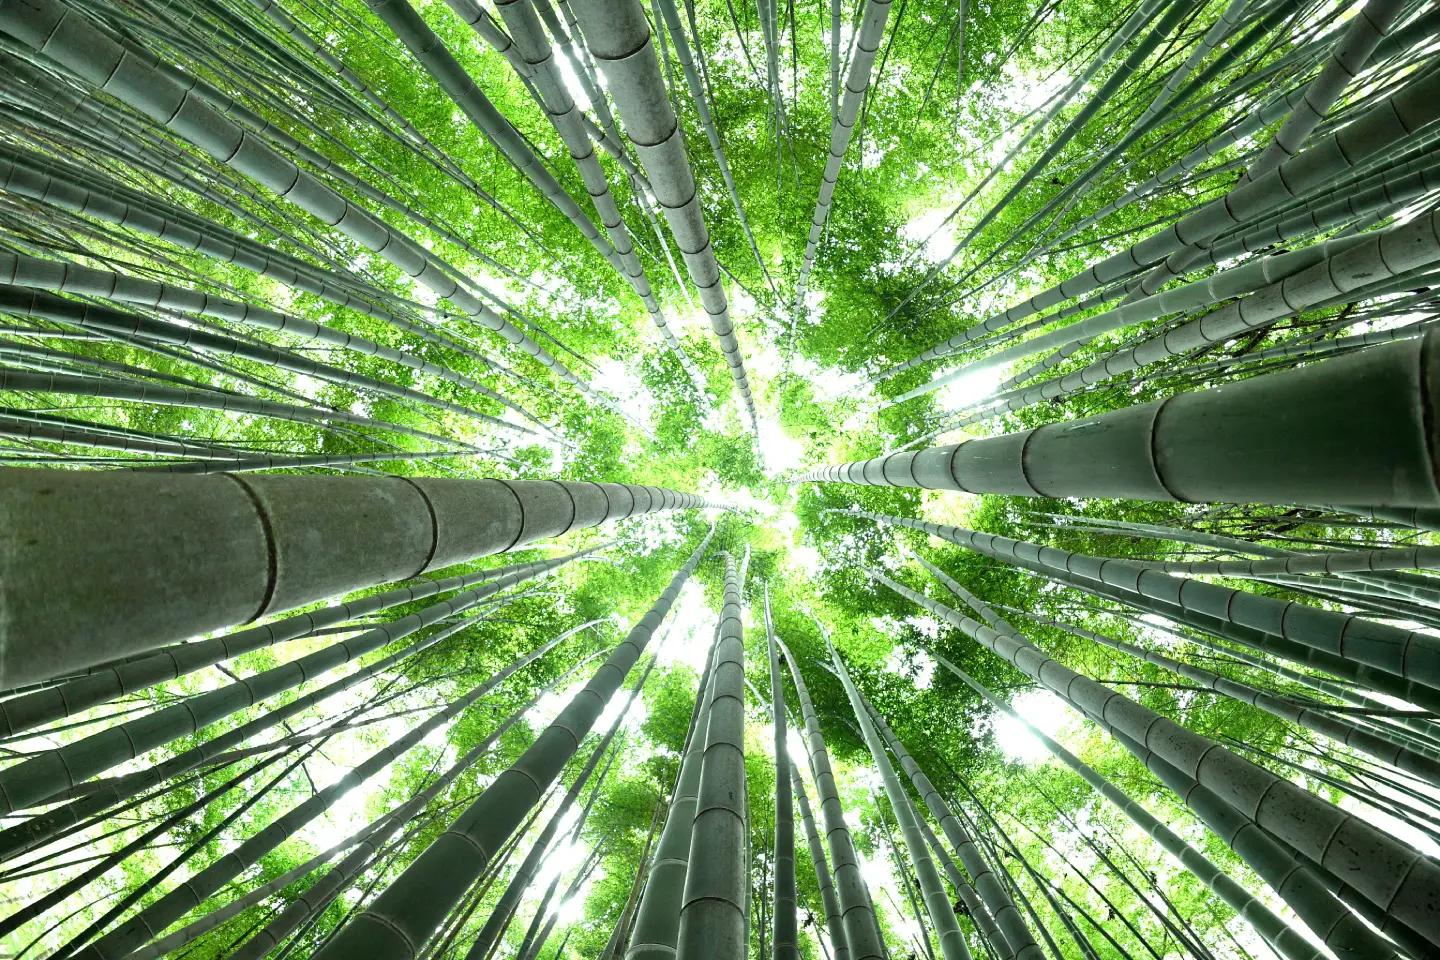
(786,938)
(829,902)
(865,45)
(1015,937)
(223,550)
(31,710)
(937,904)
(1393,876)
(406,914)
(862,929)
(56,30)
(1348,428)
(712,910)
(657,919)
(619,38)
(198,888)
(489,936)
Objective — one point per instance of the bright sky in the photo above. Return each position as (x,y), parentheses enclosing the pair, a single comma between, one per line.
(1039,707)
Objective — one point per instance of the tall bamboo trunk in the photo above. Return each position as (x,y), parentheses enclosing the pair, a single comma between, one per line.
(489,936)
(1331,921)
(1391,874)
(862,930)
(829,902)
(619,38)
(866,44)
(224,550)
(1352,426)
(712,911)
(786,939)
(378,832)
(615,947)
(937,904)
(657,919)
(407,913)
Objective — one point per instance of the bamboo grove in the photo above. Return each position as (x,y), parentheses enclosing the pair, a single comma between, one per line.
(639,479)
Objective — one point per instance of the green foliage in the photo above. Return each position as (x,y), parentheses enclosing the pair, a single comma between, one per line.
(933,125)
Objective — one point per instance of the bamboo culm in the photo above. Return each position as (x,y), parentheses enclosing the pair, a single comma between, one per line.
(227,550)
(404,916)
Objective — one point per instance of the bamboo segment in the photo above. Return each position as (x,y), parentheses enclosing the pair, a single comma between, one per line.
(619,38)
(947,930)
(1351,428)
(834,920)
(222,550)
(862,931)
(1016,936)
(407,913)
(657,919)
(786,939)
(712,911)
(1389,873)
(865,46)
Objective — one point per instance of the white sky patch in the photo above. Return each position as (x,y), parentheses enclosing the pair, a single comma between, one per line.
(1044,710)
(626,387)
(563,860)
(930,229)
(572,83)
(834,383)
(969,389)
(739,497)
(876,872)
(573,909)
(634,715)
(338,822)
(806,558)
(900,658)
(691,626)
(858,420)
(795,743)
(780,452)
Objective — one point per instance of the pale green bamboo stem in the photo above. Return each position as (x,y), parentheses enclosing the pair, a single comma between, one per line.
(862,929)
(405,915)
(1389,873)
(786,936)
(712,910)
(226,550)
(937,904)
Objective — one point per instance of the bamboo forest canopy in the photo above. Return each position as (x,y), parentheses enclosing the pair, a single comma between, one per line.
(711,479)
